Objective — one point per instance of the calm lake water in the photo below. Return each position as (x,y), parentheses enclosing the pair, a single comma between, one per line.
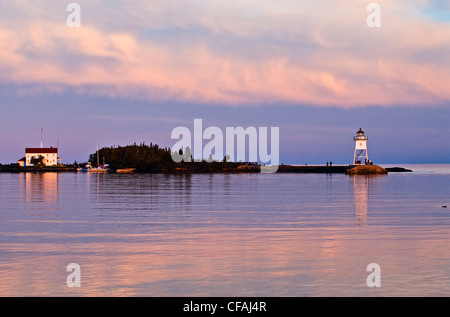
(226,235)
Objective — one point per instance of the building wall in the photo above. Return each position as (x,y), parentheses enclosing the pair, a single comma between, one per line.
(360,145)
(50,159)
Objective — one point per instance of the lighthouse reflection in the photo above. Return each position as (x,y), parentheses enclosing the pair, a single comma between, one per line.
(361,192)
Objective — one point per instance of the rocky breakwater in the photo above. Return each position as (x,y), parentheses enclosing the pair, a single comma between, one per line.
(365,170)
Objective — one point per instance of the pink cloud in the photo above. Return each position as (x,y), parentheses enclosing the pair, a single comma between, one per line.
(347,64)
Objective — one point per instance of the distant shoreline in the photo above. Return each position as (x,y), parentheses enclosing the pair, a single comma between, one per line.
(152,159)
(199,168)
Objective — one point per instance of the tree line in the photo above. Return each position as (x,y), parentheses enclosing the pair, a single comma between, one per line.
(154,159)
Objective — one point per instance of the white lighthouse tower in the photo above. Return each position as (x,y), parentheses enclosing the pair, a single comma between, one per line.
(360,156)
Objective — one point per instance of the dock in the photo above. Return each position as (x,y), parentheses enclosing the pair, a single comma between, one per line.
(340,169)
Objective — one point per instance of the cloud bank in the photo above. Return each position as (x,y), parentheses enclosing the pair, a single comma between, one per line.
(233,53)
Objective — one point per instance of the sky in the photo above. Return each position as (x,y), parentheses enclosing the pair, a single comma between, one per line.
(135,70)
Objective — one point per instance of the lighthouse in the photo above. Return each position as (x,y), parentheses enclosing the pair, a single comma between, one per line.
(361,163)
(360,155)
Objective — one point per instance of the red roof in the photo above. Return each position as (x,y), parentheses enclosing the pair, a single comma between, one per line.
(41,150)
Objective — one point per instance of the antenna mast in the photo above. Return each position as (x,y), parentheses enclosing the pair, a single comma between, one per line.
(98,161)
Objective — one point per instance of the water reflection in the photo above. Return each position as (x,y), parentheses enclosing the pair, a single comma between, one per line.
(222,235)
(41,190)
(361,193)
(141,195)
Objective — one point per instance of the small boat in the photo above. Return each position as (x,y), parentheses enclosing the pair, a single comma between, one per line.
(126,170)
(100,168)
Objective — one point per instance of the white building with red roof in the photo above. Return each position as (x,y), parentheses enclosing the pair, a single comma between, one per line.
(49,156)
